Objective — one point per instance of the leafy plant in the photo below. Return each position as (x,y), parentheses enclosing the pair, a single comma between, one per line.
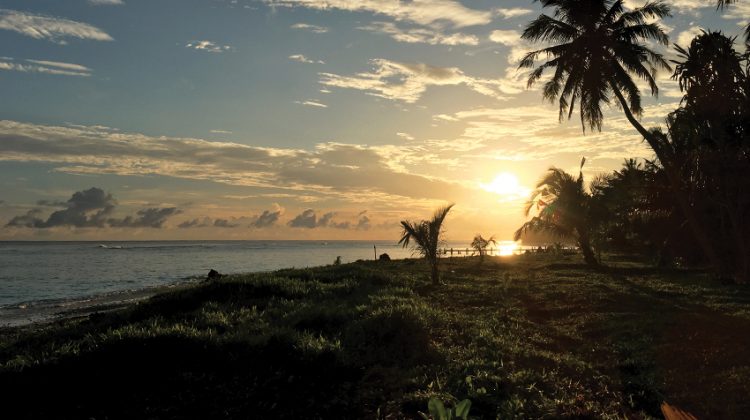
(438,411)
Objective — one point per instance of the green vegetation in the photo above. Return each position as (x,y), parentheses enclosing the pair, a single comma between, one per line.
(527,337)
(426,236)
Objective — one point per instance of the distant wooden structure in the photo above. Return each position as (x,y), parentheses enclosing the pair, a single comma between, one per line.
(673,413)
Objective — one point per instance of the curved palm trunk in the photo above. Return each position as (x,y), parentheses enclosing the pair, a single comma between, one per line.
(672,175)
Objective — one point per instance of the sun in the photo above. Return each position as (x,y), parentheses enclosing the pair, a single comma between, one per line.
(507,186)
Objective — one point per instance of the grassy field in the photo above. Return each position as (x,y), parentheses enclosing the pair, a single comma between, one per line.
(535,336)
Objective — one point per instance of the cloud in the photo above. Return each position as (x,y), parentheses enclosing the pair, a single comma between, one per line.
(195,223)
(224,223)
(48,27)
(146,218)
(45,67)
(686,37)
(525,134)
(363,223)
(267,219)
(106,2)
(512,12)
(306,219)
(506,37)
(302,59)
(423,12)
(420,35)
(51,203)
(311,102)
(309,220)
(407,82)
(220,132)
(329,170)
(312,28)
(90,208)
(208,46)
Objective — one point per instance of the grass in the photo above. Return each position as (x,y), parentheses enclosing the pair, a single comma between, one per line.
(532,337)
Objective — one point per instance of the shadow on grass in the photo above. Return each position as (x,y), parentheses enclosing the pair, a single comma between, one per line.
(179,377)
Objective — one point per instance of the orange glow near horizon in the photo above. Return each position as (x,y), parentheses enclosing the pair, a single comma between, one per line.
(506,185)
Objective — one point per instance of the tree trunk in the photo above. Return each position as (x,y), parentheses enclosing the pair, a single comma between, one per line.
(588,254)
(435,272)
(674,180)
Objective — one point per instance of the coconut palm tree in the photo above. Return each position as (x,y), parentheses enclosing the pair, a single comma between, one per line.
(480,245)
(426,236)
(598,46)
(563,205)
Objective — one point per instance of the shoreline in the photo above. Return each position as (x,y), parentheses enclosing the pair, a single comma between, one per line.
(35,313)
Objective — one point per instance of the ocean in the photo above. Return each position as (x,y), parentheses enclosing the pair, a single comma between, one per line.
(41,271)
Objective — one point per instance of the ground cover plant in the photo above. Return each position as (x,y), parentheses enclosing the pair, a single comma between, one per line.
(535,336)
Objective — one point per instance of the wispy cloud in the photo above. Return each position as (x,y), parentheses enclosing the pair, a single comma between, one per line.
(312,28)
(208,46)
(312,103)
(525,133)
(423,12)
(408,81)
(44,66)
(51,28)
(220,132)
(423,35)
(300,58)
(106,2)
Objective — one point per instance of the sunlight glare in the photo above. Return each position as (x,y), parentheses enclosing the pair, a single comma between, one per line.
(506,185)
(506,248)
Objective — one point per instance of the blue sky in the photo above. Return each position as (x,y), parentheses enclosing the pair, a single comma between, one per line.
(244,116)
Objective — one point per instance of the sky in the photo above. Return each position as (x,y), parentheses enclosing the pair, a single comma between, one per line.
(287,119)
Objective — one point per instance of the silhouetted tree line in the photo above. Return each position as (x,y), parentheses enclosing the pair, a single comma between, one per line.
(692,201)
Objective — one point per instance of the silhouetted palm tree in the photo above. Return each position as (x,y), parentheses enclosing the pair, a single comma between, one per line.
(711,75)
(598,46)
(563,205)
(426,236)
(480,245)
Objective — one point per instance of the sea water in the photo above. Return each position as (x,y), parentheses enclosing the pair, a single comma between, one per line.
(39,271)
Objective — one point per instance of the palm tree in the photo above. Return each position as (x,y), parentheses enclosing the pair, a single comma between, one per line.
(426,236)
(480,244)
(597,47)
(563,205)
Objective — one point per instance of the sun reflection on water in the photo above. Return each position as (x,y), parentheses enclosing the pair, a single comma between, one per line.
(507,248)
